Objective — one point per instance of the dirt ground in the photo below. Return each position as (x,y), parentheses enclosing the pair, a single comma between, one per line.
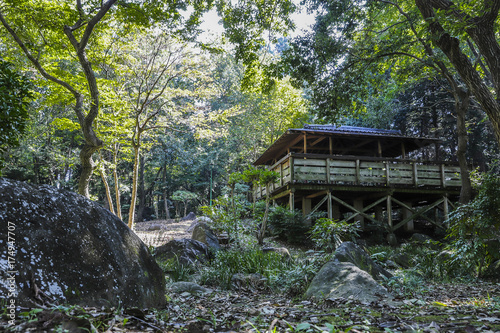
(158,232)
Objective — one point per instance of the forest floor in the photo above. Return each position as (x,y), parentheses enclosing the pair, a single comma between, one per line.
(450,307)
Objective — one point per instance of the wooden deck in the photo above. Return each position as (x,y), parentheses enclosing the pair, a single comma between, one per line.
(362,171)
(363,188)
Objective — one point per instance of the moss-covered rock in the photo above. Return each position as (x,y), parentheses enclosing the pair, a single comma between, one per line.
(68,249)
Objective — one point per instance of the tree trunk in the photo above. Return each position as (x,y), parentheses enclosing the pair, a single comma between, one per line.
(480,33)
(165,198)
(142,192)
(131,213)
(88,167)
(264,220)
(117,182)
(462,98)
(102,172)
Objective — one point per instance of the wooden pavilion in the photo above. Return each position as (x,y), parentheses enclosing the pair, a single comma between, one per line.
(360,174)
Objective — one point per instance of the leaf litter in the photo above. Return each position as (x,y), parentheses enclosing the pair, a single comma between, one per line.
(445,307)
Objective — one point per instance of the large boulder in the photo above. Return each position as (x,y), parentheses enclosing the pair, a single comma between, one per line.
(350,252)
(345,280)
(186,251)
(68,249)
(203,233)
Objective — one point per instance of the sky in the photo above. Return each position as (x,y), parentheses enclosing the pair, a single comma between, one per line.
(211,27)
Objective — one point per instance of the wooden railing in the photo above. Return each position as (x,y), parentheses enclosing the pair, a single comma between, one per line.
(363,171)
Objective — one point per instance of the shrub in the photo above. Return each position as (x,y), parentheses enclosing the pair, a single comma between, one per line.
(289,225)
(328,234)
(473,224)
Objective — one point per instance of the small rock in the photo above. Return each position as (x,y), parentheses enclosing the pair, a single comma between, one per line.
(187,251)
(190,288)
(343,279)
(283,251)
(350,252)
(204,234)
(190,216)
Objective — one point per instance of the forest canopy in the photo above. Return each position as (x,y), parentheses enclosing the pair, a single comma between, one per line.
(131,109)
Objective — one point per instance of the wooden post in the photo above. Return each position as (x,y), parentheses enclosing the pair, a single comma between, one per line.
(379,148)
(389,211)
(378,214)
(403,150)
(281,174)
(406,214)
(291,169)
(291,200)
(443,179)
(306,206)
(305,143)
(387,174)
(415,174)
(330,141)
(329,204)
(336,211)
(358,173)
(358,205)
(328,171)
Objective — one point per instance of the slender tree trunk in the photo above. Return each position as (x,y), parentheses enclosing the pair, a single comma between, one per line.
(102,172)
(264,220)
(131,213)
(462,99)
(117,182)
(142,192)
(165,198)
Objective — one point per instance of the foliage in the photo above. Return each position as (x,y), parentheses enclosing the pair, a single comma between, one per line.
(284,276)
(253,261)
(175,269)
(15,95)
(227,212)
(328,234)
(473,224)
(290,225)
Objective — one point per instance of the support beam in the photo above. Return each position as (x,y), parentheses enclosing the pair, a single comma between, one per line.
(389,211)
(291,200)
(329,204)
(343,203)
(406,214)
(379,220)
(306,206)
(402,204)
(419,213)
(358,206)
(320,203)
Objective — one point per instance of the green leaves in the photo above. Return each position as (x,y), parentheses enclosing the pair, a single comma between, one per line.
(15,95)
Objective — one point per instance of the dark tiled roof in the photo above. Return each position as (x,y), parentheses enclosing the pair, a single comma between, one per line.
(349,140)
(350,129)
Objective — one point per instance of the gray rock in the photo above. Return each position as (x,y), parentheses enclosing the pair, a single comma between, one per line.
(343,279)
(204,234)
(240,280)
(392,240)
(350,252)
(283,251)
(401,259)
(189,216)
(73,250)
(190,287)
(187,251)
